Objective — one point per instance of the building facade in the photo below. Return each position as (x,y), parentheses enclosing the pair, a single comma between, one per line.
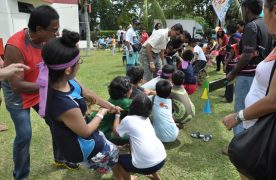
(14,15)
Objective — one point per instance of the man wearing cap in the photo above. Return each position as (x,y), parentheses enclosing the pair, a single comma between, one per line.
(133,44)
(255,45)
(153,49)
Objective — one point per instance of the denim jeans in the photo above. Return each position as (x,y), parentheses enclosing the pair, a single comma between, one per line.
(242,87)
(229,90)
(21,145)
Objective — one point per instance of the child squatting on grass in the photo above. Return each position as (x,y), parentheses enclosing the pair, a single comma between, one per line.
(183,108)
(135,75)
(76,140)
(119,91)
(190,83)
(162,118)
(147,151)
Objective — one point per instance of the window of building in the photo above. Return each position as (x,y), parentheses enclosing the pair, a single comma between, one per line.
(25,7)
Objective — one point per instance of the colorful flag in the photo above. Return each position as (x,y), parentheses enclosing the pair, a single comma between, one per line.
(221,7)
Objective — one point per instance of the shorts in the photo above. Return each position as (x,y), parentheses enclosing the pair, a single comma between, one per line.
(104,160)
(125,161)
(190,88)
(198,65)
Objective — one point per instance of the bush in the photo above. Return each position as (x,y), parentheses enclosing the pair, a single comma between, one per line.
(95,35)
(108,33)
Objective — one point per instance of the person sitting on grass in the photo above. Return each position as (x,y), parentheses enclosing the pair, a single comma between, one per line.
(183,108)
(147,151)
(185,66)
(119,90)
(77,140)
(162,118)
(135,75)
(165,73)
(102,43)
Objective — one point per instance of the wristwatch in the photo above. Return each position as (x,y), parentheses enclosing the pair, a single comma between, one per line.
(239,117)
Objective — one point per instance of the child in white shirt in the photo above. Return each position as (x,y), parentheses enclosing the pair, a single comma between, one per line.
(147,151)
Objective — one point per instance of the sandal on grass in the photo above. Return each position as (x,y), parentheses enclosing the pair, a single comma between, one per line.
(197,135)
(207,137)
(3,127)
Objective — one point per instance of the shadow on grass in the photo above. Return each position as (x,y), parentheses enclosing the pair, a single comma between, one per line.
(172,145)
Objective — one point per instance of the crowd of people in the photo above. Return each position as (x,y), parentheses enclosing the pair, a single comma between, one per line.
(161,72)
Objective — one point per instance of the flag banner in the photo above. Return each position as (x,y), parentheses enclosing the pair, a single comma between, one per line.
(221,7)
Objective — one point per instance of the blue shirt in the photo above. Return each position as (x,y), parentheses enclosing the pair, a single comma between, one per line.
(163,123)
(73,147)
(187,68)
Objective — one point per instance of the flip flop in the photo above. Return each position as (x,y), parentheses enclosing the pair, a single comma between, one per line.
(3,127)
(197,135)
(207,137)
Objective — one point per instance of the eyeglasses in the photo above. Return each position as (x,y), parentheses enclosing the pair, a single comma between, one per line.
(80,61)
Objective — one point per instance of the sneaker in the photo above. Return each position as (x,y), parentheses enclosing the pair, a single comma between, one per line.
(65,164)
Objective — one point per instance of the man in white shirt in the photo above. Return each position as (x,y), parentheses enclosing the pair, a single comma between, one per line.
(119,33)
(199,61)
(132,39)
(119,36)
(153,49)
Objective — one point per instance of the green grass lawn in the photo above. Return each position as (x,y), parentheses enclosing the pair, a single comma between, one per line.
(188,158)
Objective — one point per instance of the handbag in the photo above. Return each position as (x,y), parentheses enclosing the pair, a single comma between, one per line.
(253,151)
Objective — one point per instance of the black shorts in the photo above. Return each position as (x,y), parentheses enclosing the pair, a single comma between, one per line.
(125,161)
(198,65)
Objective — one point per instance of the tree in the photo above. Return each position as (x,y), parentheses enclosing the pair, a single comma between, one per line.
(83,5)
(156,12)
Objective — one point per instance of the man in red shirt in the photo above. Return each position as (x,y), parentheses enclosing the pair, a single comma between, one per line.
(2,126)
(21,91)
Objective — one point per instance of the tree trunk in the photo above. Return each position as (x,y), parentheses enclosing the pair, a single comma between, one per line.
(87,27)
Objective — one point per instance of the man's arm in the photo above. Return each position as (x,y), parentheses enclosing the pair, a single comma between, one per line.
(244,60)
(12,69)
(150,59)
(262,107)
(128,47)
(1,62)
(17,83)
(162,56)
(249,44)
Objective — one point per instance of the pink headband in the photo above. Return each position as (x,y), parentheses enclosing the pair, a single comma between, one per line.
(161,73)
(42,80)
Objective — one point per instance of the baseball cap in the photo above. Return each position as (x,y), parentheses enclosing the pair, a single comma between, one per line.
(135,21)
